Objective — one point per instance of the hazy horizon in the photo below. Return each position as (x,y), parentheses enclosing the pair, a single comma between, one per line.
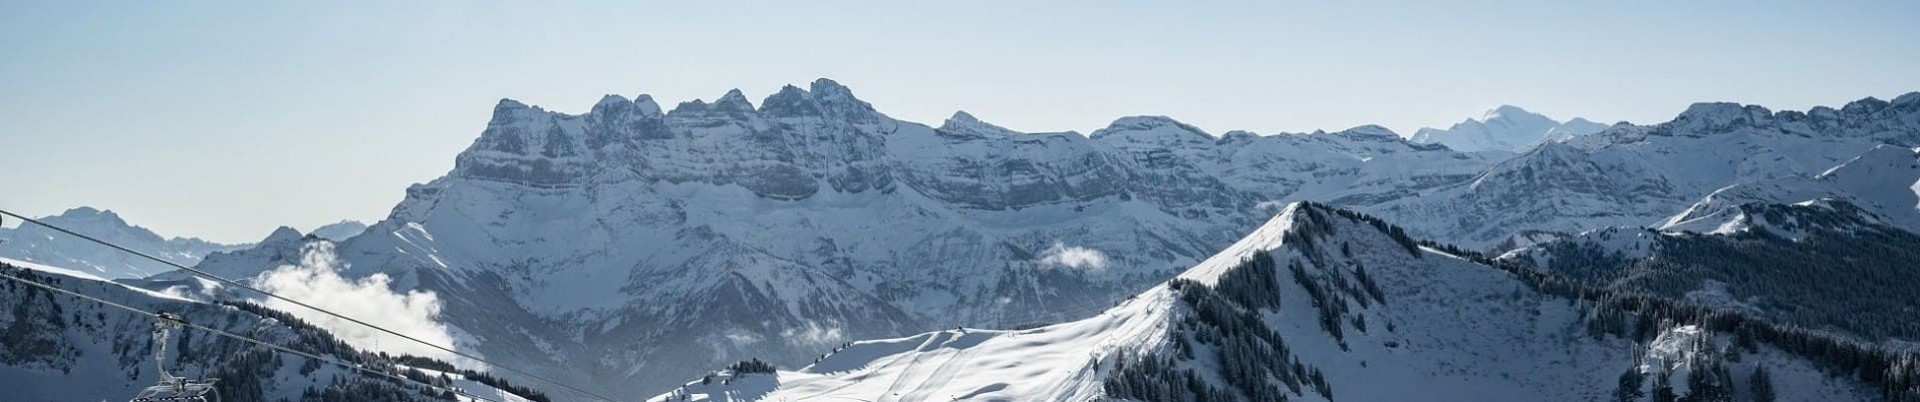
(224,121)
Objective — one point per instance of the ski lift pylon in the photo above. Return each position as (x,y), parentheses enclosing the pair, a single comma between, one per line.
(170,388)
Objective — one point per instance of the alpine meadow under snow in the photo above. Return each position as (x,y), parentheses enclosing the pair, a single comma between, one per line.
(810,247)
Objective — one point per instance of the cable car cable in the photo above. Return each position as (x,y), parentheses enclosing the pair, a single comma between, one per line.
(301,304)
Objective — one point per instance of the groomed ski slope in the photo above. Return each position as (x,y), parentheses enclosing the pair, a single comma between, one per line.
(1461,332)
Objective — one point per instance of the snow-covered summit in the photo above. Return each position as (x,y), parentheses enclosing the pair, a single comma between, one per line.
(1506,128)
(1151,131)
(282,234)
(33,243)
(964,123)
(341,230)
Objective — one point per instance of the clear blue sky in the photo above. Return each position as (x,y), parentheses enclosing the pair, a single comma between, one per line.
(225,119)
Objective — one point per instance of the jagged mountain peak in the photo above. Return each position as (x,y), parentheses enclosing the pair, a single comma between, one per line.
(733,101)
(1370,131)
(37,244)
(617,107)
(1504,128)
(1509,112)
(1864,106)
(509,104)
(964,123)
(961,116)
(92,214)
(1715,116)
(691,106)
(611,101)
(1910,98)
(823,97)
(647,104)
(838,98)
(282,234)
(790,101)
(828,88)
(339,231)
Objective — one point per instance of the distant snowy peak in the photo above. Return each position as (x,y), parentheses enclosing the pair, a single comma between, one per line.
(1513,115)
(965,124)
(98,222)
(1369,132)
(339,231)
(282,247)
(1633,175)
(282,234)
(37,244)
(1570,129)
(1506,128)
(1151,130)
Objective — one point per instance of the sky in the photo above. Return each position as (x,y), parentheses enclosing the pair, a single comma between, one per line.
(224,120)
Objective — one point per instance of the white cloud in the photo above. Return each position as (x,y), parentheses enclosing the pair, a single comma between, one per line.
(1062,255)
(814,334)
(316,281)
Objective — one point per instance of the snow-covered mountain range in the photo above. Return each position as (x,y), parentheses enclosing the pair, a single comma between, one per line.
(628,246)
(1506,128)
(33,243)
(1319,304)
(341,230)
(1640,175)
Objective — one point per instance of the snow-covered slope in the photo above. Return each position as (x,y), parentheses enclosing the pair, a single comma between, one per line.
(1885,181)
(1506,128)
(56,347)
(1637,176)
(1317,304)
(34,243)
